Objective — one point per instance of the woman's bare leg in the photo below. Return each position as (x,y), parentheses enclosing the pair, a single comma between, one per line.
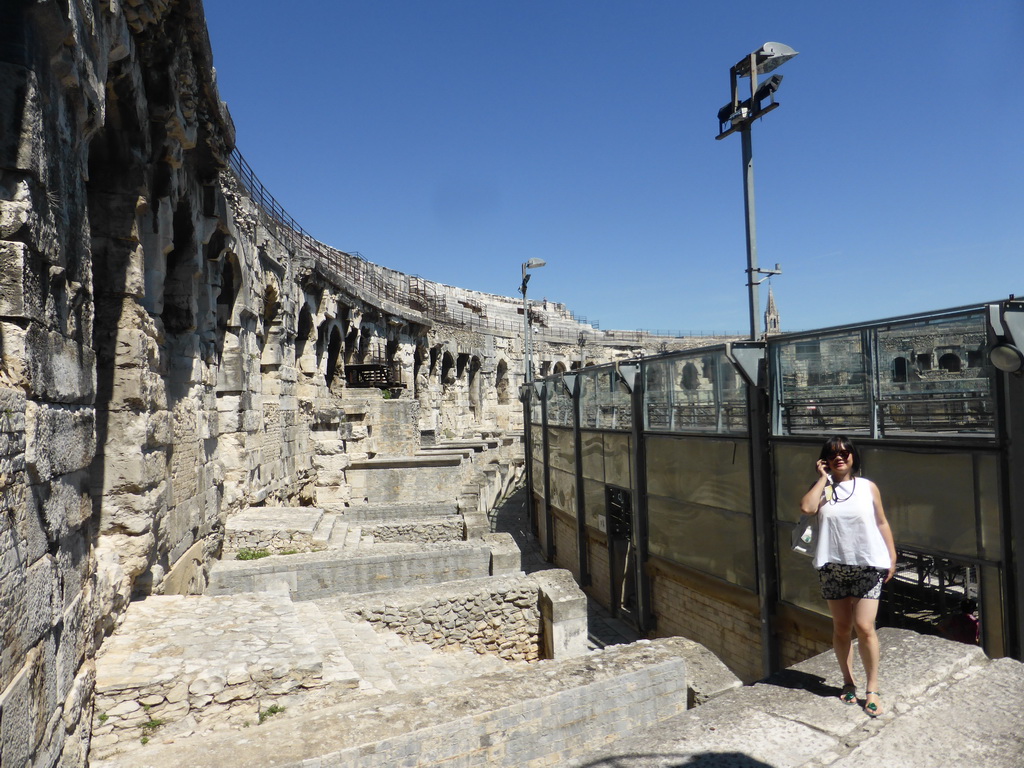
(842,641)
(864,614)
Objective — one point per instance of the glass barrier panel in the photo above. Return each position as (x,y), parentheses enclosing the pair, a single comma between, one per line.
(991,612)
(703,471)
(536,409)
(614,402)
(538,477)
(588,398)
(798,580)
(929,498)
(934,376)
(559,404)
(594,501)
(823,384)
(537,442)
(563,491)
(714,541)
(987,483)
(618,460)
(794,475)
(694,393)
(592,454)
(561,449)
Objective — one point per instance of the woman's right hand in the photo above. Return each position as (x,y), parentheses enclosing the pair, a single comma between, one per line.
(822,466)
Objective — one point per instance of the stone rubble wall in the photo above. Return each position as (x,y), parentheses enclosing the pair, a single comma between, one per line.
(133,703)
(502,618)
(274,542)
(422,530)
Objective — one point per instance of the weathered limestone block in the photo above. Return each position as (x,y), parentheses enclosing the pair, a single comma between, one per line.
(563,607)
(58,439)
(20,285)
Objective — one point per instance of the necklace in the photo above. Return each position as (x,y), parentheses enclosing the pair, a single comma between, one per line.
(832,493)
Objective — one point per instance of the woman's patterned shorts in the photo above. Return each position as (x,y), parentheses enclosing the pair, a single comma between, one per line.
(840,581)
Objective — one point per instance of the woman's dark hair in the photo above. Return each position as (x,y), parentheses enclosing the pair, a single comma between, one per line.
(841,443)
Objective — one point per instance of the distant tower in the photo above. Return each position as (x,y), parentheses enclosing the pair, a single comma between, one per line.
(771,316)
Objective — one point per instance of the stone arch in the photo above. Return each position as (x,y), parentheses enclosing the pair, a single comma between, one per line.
(900,369)
(690,378)
(474,382)
(502,383)
(951,362)
(448,375)
(334,342)
(180,307)
(560,367)
(303,334)
(273,327)
(420,369)
(461,362)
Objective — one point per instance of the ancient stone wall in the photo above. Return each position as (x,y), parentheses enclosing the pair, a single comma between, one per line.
(175,350)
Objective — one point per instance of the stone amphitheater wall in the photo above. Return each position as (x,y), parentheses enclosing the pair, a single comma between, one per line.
(174,349)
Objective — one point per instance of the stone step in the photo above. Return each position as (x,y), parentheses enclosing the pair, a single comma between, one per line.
(376,512)
(201,661)
(386,661)
(536,714)
(325,530)
(354,569)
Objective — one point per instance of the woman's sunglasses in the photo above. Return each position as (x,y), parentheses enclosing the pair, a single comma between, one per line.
(832,454)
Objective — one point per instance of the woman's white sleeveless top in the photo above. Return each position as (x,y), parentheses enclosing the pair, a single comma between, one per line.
(847,531)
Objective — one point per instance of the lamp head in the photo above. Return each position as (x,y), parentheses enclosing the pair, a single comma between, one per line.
(768,57)
(535,263)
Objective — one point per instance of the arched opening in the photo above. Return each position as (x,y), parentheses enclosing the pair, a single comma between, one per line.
(474,387)
(333,356)
(950,362)
(502,383)
(179,314)
(690,378)
(559,367)
(447,369)
(900,369)
(302,334)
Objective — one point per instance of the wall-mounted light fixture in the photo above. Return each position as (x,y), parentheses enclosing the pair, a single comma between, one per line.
(1007,322)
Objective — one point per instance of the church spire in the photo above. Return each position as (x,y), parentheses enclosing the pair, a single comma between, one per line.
(771,315)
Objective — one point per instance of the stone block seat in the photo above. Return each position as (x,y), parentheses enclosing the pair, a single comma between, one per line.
(375,568)
(278,530)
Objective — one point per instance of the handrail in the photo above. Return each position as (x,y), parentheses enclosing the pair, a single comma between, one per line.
(420,294)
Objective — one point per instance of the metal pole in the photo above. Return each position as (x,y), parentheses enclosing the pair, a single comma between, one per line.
(527,362)
(748,207)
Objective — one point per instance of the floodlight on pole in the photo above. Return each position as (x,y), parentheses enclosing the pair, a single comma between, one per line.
(527,358)
(739,116)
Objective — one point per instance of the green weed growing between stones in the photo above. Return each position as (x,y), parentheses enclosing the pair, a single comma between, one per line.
(251,554)
(273,709)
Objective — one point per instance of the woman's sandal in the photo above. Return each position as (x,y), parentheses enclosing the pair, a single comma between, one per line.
(872,709)
(849,694)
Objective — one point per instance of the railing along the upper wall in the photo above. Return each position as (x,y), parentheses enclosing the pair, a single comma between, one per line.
(386,284)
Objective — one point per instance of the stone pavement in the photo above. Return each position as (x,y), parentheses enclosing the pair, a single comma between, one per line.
(947,704)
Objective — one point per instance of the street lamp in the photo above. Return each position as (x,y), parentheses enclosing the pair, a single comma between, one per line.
(739,116)
(527,360)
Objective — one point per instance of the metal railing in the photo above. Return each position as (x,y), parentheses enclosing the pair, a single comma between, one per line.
(412,291)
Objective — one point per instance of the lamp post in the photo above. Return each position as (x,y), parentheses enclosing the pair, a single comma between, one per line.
(740,116)
(527,358)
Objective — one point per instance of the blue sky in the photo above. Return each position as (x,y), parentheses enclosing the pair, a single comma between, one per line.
(455,139)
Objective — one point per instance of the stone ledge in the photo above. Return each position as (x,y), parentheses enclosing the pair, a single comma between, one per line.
(550,710)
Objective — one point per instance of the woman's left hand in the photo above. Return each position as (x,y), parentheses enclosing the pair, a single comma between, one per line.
(891,573)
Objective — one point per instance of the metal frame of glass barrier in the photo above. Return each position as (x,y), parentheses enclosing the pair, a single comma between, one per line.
(917,392)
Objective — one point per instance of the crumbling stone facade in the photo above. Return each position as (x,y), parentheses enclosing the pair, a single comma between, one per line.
(175,349)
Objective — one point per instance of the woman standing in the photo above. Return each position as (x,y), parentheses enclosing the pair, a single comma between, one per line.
(855,555)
